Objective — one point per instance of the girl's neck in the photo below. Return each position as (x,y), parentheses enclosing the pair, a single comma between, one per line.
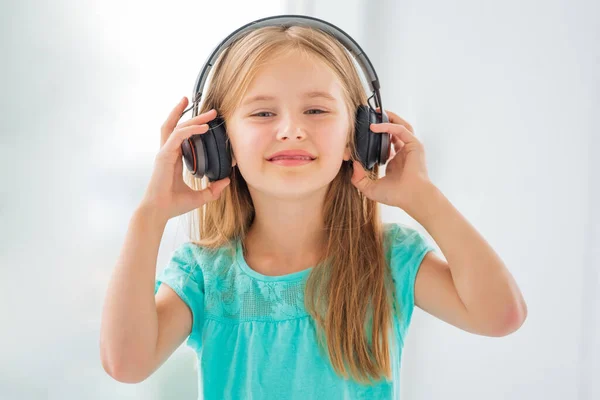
(286,234)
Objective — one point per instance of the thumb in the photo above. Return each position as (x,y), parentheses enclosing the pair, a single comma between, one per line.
(214,190)
(360,178)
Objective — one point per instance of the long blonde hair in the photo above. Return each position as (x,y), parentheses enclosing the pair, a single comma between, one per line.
(348,292)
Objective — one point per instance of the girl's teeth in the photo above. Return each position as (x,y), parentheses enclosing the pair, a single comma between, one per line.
(290,158)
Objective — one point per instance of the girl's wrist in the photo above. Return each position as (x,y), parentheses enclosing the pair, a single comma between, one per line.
(151,212)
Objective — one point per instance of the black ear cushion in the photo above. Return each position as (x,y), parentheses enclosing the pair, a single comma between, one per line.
(217,148)
(368,143)
(361,134)
(194,155)
(208,153)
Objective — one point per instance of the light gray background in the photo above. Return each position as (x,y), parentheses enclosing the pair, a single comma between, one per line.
(503,95)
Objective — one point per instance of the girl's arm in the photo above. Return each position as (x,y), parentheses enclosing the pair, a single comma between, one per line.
(473,290)
(139,332)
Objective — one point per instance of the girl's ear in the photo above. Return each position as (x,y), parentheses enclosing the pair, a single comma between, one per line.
(347,153)
(233,160)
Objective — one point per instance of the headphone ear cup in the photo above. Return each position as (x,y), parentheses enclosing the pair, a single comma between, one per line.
(217,148)
(208,153)
(194,155)
(361,135)
(385,145)
(369,145)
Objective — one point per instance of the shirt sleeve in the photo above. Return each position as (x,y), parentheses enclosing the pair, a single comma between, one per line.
(408,247)
(184,275)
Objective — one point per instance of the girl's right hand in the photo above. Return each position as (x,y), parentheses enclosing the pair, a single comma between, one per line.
(167,192)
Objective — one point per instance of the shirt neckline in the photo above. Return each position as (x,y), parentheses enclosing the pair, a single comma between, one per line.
(273,278)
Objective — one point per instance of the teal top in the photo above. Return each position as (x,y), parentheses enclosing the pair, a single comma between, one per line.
(252,335)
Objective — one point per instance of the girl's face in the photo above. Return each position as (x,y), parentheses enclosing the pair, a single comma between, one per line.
(293,103)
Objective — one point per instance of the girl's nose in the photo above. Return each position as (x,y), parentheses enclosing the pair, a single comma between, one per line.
(291,129)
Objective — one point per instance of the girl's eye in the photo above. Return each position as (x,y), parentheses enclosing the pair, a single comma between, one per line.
(262,112)
(268,112)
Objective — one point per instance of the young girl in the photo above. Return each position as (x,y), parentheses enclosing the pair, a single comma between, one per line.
(295,289)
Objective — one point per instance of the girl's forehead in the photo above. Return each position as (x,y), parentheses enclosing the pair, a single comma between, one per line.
(302,76)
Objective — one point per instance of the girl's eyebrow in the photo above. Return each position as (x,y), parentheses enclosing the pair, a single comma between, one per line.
(311,95)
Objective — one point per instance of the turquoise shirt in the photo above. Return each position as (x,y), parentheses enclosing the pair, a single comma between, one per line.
(252,335)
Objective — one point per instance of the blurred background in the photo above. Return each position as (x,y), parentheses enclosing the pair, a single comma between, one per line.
(504,96)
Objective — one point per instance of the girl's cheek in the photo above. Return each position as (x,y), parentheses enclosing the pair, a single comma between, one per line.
(253,140)
(251,145)
(333,138)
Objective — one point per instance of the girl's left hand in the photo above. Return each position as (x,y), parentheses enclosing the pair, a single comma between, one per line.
(406,173)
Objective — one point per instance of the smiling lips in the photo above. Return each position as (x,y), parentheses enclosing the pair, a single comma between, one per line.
(291,155)
(291,160)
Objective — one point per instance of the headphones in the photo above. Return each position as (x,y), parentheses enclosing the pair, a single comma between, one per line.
(210,154)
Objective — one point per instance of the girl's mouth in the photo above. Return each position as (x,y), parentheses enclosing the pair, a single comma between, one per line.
(289,161)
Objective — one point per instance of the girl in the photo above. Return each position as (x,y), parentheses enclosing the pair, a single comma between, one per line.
(295,289)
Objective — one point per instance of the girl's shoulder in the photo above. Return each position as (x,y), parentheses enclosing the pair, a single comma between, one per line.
(207,258)
(399,234)
(405,245)
(194,259)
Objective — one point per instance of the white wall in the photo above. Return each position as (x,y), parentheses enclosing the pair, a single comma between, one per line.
(503,95)
(590,338)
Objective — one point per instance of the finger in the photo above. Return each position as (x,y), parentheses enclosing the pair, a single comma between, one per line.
(200,119)
(395,119)
(398,144)
(168,126)
(360,178)
(396,147)
(400,131)
(213,191)
(179,135)
(197,198)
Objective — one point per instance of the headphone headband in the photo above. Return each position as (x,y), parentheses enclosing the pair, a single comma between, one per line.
(287,21)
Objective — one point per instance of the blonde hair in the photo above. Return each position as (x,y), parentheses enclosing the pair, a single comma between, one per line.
(348,292)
